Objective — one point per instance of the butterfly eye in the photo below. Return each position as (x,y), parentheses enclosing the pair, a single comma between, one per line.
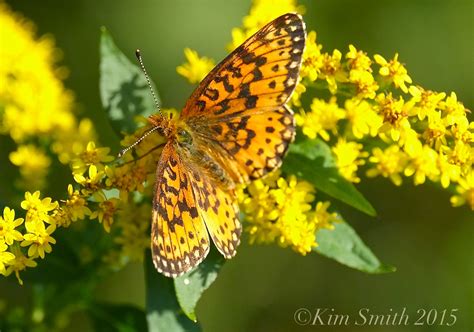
(184,137)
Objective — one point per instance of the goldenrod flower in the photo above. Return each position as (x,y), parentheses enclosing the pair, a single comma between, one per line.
(394,71)
(448,171)
(20,263)
(423,164)
(5,257)
(92,155)
(461,154)
(323,117)
(312,58)
(127,178)
(349,156)
(68,144)
(37,209)
(362,118)
(395,117)
(389,163)
(454,111)
(361,73)
(8,223)
(332,70)
(279,210)
(33,163)
(435,133)
(465,191)
(91,182)
(75,206)
(196,68)
(38,239)
(425,102)
(106,210)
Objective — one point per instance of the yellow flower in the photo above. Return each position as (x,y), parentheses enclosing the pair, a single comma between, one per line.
(5,257)
(33,163)
(8,223)
(454,111)
(92,182)
(449,172)
(361,73)
(362,118)
(425,102)
(358,60)
(38,239)
(465,191)
(30,82)
(435,133)
(91,156)
(312,58)
(126,178)
(279,210)
(423,164)
(393,71)
(332,70)
(20,263)
(394,115)
(68,144)
(323,117)
(75,206)
(196,68)
(462,155)
(37,209)
(106,210)
(348,158)
(389,163)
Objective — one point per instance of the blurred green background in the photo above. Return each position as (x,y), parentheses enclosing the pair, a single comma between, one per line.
(417,231)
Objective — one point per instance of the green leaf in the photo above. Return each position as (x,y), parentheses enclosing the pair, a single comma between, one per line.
(163,311)
(313,161)
(124,90)
(117,318)
(345,246)
(191,286)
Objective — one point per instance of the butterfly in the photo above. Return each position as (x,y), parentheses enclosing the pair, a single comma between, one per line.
(234,128)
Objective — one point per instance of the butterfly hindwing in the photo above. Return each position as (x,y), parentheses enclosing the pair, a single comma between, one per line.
(219,210)
(178,235)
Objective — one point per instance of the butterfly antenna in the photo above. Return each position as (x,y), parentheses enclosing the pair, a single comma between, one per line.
(140,60)
(141,138)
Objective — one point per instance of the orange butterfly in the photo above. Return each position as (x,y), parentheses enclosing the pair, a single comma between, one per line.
(235,127)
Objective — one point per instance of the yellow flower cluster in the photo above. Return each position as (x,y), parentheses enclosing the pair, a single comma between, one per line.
(280,210)
(420,133)
(36,109)
(97,178)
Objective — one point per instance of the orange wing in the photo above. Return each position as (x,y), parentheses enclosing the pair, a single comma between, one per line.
(259,75)
(179,240)
(219,209)
(238,109)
